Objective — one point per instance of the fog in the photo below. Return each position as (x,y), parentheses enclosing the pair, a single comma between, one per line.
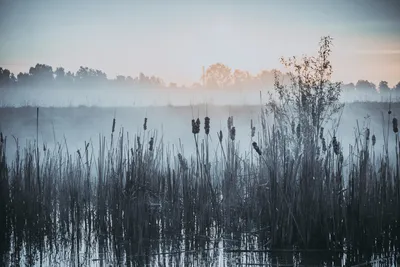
(144,97)
(71,127)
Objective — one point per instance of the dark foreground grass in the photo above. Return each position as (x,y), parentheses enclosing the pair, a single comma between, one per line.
(140,203)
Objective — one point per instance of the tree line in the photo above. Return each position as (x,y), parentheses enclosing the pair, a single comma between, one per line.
(216,76)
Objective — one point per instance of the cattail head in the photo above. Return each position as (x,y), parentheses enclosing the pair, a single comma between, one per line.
(321,133)
(1,138)
(151,144)
(45,148)
(145,124)
(367,132)
(395,125)
(373,140)
(252,128)
(336,145)
(207,125)
(193,126)
(233,133)
(389,112)
(196,126)
(324,145)
(298,130)
(293,127)
(230,122)
(256,148)
(113,126)
(138,142)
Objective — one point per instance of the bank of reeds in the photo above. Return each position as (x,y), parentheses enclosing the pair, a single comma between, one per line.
(139,200)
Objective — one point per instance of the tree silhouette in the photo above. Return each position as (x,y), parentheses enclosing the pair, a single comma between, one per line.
(41,74)
(217,75)
(365,86)
(384,87)
(397,87)
(6,78)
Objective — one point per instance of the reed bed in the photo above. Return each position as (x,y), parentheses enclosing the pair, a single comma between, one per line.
(141,203)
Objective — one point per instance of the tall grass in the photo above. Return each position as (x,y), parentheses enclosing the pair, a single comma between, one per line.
(138,200)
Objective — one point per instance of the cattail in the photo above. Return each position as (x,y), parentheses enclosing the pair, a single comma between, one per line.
(298,130)
(132,153)
(293,127)
(44,148)
(79,153)
(1,138)
(233,133)
(252,128)
(395,125)
(373,140)
(230,122)
(321,133)
(145,124)
(207,125)
(323,145)
(198,125)
(256,148)
(220,136)
(367,132)
(151,143)
(193,126)
(389,112)
(113,126)
(336,145)
(138,141)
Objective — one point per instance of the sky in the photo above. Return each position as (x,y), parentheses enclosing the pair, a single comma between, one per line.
(174,39)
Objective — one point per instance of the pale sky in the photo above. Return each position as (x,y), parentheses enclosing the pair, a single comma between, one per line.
(174,39)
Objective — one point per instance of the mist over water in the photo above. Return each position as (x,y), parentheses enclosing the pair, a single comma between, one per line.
(71,127)
(145,97)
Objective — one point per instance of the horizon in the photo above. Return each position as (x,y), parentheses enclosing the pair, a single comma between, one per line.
(175,40)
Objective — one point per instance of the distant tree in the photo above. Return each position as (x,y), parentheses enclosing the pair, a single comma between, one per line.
(143,79)
(241,78)
(173,85)
(157,81)
(349,87)
(365,86)
(42,74)
(196,86)
(397,87)
(218,76)
(384,87)
(267,78)
(23,79)
(129,80)
(90,77)
(120,78)
(5,78)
